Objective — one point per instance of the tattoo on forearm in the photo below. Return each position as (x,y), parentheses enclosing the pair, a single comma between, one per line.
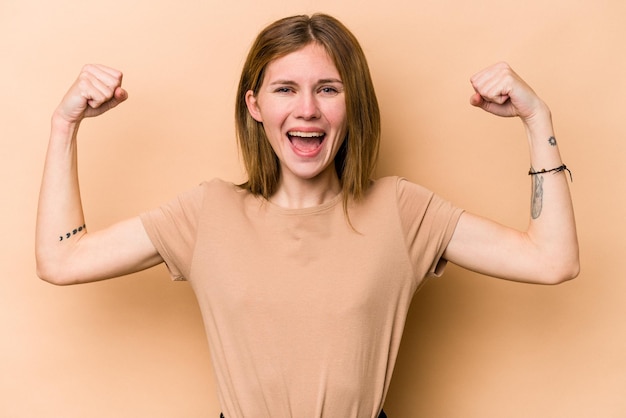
(536,204)
(75,231)
(537,197)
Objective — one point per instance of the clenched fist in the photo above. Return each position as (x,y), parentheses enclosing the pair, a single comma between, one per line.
(97,89)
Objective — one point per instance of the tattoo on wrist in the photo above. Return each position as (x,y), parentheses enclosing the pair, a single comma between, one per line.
(537,198)
(552,141)
(75,231)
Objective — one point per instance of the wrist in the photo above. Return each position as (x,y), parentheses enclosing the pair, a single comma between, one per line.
(61,126)
(539,129)
(540,119)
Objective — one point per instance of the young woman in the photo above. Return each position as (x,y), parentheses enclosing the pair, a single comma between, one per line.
(304,274)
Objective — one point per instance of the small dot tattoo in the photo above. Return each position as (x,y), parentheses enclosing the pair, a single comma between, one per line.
(74,232)
(552,141)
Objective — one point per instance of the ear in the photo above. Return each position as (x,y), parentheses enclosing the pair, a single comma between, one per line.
(253,106)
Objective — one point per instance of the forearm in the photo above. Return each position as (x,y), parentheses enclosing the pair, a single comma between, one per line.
(552,227)
(60,218)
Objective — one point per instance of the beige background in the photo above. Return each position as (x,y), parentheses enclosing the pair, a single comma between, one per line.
(474,346)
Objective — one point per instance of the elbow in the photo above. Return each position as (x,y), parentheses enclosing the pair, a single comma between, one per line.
(54,267)
(52,274)
(562,277)
(564,272)
(47,276)
(558,263)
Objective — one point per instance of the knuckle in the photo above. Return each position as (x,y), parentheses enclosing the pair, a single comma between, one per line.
(87,68)
(503,64)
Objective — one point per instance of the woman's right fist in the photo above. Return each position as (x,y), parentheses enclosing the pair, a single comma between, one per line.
(97,89)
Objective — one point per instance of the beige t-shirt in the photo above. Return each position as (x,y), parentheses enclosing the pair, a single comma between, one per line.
(303,313)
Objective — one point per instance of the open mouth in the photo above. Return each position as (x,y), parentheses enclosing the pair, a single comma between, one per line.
(306,142)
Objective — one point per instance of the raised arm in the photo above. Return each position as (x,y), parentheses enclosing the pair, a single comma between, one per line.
(65,252)
(547,252)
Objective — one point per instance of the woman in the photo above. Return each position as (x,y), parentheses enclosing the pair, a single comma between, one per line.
(304,274)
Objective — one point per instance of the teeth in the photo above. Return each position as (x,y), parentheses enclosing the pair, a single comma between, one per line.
(306,134)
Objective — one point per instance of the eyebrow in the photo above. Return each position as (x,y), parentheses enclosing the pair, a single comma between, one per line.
(293,83)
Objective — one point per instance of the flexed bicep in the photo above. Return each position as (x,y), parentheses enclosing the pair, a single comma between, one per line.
(65,252)
(489,248)
(120,249)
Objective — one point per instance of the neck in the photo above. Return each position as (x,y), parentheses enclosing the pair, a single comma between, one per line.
(297,193)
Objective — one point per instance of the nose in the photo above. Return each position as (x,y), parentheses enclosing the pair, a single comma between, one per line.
(307,107)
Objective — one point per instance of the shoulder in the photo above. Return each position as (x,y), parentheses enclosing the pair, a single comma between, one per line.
(412,200)
(394,196)
(400,187)
(218,185)
(190,203)
(221,192)
(211,190)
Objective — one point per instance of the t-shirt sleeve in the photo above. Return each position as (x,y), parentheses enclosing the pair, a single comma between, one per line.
(172,230)
(428,222)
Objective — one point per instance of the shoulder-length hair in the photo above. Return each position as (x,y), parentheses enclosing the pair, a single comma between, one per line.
(357,157)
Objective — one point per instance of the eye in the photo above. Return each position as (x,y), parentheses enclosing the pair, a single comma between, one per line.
(329,91)
(283,90)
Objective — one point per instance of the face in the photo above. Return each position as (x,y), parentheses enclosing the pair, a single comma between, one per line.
(302,106)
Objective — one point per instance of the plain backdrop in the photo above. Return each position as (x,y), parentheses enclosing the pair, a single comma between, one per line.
(474,346)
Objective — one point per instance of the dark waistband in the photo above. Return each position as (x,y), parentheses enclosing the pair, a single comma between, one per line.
(381,415)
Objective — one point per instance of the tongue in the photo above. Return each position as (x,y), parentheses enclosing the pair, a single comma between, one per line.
(305,144)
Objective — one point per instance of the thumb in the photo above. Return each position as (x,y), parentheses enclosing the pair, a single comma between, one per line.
(119,96)
(496,108)
(477,100)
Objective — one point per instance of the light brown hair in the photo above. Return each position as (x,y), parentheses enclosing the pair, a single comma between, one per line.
(357,157)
